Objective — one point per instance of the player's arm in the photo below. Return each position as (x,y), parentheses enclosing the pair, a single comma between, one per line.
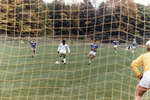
(91,46)
(35,44)
(58,48)
(96,47)
(113,42)
(68,49)
(136,64)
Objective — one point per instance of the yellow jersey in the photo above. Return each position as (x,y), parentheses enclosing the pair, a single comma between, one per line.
(141,61)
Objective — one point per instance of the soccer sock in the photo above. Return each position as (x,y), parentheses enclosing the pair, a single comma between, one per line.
(133,51)
(89,61)
(115,51)
(32,54)
(64,60)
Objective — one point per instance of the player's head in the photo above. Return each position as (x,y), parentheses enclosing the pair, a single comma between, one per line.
(33,39)
(94,41)
(63,42)
(148,45)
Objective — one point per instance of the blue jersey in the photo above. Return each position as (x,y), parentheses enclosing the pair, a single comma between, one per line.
(33,44)
(115,42)
(94,47)
(134,44)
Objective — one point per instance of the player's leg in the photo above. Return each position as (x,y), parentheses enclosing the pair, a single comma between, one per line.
(133,49)
(140,92)
(143,86)
(64,58)
(60,55)
(115,49)
(33,52)
(91,56)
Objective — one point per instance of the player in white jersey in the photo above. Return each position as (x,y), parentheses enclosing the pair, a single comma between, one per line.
(62,50)
(128,48)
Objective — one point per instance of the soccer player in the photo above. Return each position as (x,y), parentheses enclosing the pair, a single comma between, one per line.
(128,48)
(33,44)
(92,53)
(134,46)
(62,49)
(115,42)
(144,84)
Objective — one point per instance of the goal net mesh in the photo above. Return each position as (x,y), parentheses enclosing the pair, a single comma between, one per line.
(109,77)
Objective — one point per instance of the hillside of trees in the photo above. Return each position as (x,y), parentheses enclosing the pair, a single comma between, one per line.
(124,20)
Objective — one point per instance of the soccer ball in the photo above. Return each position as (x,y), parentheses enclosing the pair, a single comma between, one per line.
(57,62)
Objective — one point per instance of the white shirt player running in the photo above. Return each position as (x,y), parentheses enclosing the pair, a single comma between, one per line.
(62,49)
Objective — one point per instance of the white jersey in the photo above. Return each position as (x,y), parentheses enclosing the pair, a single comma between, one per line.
(63,48)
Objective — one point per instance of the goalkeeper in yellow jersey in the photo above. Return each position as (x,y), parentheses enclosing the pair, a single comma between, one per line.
(142,61)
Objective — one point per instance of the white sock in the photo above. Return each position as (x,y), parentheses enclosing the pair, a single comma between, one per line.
(132,51)
(64,60)
(115,51)
(89,61)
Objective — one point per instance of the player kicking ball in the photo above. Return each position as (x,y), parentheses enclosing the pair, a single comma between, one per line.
(115,43)
(134,46)
(62,50)
(33,44)
(144,84)
(92,53)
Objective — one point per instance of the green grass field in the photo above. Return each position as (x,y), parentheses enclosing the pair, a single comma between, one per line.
(109,77)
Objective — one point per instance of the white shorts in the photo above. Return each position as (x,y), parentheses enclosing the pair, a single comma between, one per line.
(133,47)
(115,46)
(145,81)
(62,52)
(92,53)
(33,48)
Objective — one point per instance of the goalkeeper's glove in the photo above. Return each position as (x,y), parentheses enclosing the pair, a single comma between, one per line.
(140,76)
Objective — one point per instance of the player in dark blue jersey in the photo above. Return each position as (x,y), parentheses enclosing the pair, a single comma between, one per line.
(33,44)
(93,51)
(134,46)
(115,43)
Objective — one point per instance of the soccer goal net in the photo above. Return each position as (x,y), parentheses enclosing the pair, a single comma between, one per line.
(31,30)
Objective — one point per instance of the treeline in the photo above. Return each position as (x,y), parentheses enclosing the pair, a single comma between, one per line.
(108,20)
